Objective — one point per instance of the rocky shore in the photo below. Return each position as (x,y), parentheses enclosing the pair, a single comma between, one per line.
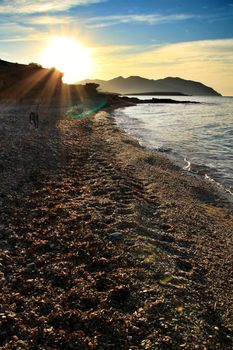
(106,245)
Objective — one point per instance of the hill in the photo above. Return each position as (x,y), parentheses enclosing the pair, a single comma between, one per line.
(34,84)
(137,84)
(20,82)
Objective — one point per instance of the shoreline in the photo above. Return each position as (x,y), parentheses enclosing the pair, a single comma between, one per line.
(217,188)
(191,169)
(107,245)
(212,174)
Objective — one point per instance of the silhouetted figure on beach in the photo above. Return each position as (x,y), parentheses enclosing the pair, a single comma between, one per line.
(34,118)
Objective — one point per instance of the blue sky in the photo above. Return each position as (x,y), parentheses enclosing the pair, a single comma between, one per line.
(153,38)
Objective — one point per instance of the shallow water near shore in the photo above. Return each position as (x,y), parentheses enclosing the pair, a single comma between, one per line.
(198,136)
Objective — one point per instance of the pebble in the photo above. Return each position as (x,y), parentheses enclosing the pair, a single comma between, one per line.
(116,235)
(120,294)
(31,265)
(2,279)
(135,329)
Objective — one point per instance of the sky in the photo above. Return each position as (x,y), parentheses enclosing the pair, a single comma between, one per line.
(191,39)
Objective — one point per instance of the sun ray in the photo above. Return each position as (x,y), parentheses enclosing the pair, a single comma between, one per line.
(29,84)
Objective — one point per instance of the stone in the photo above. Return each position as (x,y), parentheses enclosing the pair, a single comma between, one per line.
(116,235)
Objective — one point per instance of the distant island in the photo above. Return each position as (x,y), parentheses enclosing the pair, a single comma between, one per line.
(138,85)
(158,94)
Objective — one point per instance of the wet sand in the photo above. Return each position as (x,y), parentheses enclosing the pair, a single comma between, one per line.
(106,245)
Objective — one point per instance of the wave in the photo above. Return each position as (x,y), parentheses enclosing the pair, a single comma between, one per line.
(198,136)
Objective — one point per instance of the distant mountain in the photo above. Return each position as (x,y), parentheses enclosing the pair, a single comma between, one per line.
(136,84)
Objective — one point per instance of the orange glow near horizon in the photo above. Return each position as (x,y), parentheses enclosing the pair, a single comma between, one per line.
(69,57)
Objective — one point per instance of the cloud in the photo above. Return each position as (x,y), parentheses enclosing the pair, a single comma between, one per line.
(16,31)
(153,19)
(26,29)
(48,20)
(40,6)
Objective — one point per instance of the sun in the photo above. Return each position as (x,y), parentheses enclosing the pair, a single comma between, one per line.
(68,56)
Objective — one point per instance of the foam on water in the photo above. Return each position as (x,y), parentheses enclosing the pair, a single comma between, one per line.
(199,135)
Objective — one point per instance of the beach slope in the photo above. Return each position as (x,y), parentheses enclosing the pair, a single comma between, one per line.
(107,245)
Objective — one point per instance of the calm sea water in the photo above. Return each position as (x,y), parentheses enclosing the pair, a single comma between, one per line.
(198,136)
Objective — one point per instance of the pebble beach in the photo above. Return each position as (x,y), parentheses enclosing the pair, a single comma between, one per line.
(106,244)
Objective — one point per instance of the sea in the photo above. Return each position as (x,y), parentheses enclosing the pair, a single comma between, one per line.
(199,137)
